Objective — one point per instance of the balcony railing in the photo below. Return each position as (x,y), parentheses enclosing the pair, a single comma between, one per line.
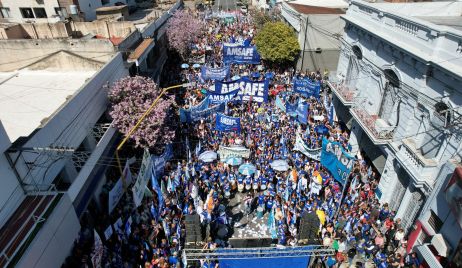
(343,92)
(379,131)
(417,165)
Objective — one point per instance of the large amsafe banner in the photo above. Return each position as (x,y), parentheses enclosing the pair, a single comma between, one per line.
(246,90)
(240,55)
(307,87)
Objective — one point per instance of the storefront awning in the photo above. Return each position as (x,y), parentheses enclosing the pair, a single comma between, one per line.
(440,245)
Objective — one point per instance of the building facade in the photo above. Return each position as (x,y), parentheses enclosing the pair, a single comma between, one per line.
(54,10)
(318,27)
(397,87)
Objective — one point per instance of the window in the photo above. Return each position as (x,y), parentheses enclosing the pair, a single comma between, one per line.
(357,52)
(5,12)
(61,11)
(435,222)
(40,12)
(26,12)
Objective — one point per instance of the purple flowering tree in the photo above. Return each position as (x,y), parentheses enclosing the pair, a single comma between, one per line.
(182,29)
(130,97)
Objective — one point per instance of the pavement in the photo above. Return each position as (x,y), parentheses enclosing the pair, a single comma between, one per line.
(247,226)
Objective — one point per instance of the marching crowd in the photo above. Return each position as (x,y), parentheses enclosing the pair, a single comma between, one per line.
(357,227)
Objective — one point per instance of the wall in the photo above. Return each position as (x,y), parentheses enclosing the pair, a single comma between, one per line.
(11,193)
(69,125)
(68,30)
(14,6)
(425,77)
(17,54)
(55,239)
(88,7)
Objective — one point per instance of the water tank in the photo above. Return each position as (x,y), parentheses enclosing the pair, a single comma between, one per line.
(73,9)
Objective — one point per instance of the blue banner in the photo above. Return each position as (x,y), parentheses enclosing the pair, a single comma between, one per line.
(307,87)
(240,54)
(336,160)
(246,90)
(208,73)
(186,115)
(216,98)
(302,111)
(228,123)
(331,114)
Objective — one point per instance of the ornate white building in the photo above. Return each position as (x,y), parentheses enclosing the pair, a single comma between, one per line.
(398,87)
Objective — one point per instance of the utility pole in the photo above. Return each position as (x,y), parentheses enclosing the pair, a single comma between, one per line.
(304,42)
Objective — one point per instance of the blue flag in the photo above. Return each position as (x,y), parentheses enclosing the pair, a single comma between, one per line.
(336,160)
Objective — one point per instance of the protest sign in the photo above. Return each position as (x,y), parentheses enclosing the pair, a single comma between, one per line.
(336,160)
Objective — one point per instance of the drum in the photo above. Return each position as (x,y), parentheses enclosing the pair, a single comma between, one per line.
(240,188)
(248,187)
(260,212)
(255,186)
(263,187)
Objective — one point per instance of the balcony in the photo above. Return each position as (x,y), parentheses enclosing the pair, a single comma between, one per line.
(420,168)
(344,93)
(376,128)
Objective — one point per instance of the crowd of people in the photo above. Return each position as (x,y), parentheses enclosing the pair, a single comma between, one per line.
(352,221)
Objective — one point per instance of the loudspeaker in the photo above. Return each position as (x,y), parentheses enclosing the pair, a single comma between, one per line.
(309,229)
(192,229)
(250,242)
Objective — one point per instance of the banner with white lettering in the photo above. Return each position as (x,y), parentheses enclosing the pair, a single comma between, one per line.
(233,151)
(336,160)
(143,177)
(209,73)
(246,89)
(240,54)
(302,147)
(227,123)
(115,195)
(307,87)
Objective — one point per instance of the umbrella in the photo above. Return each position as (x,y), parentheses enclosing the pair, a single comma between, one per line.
(247,169)
(233,161)
(184,66)
(196,65)
(280,165)
(321,129)
(208,156)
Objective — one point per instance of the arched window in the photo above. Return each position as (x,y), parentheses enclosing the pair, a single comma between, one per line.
(389,105)
(357,52)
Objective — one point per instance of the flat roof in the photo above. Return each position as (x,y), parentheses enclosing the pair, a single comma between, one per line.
(449,21)
(321,3)
(28,97)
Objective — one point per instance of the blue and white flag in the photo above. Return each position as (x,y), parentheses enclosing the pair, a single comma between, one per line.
(209,73)
(336,160)
(156,187)
(291,108)
(246,89)
(240,54)
(307,87)
(280,104)
(302,112)
(331,114)
(228,123)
